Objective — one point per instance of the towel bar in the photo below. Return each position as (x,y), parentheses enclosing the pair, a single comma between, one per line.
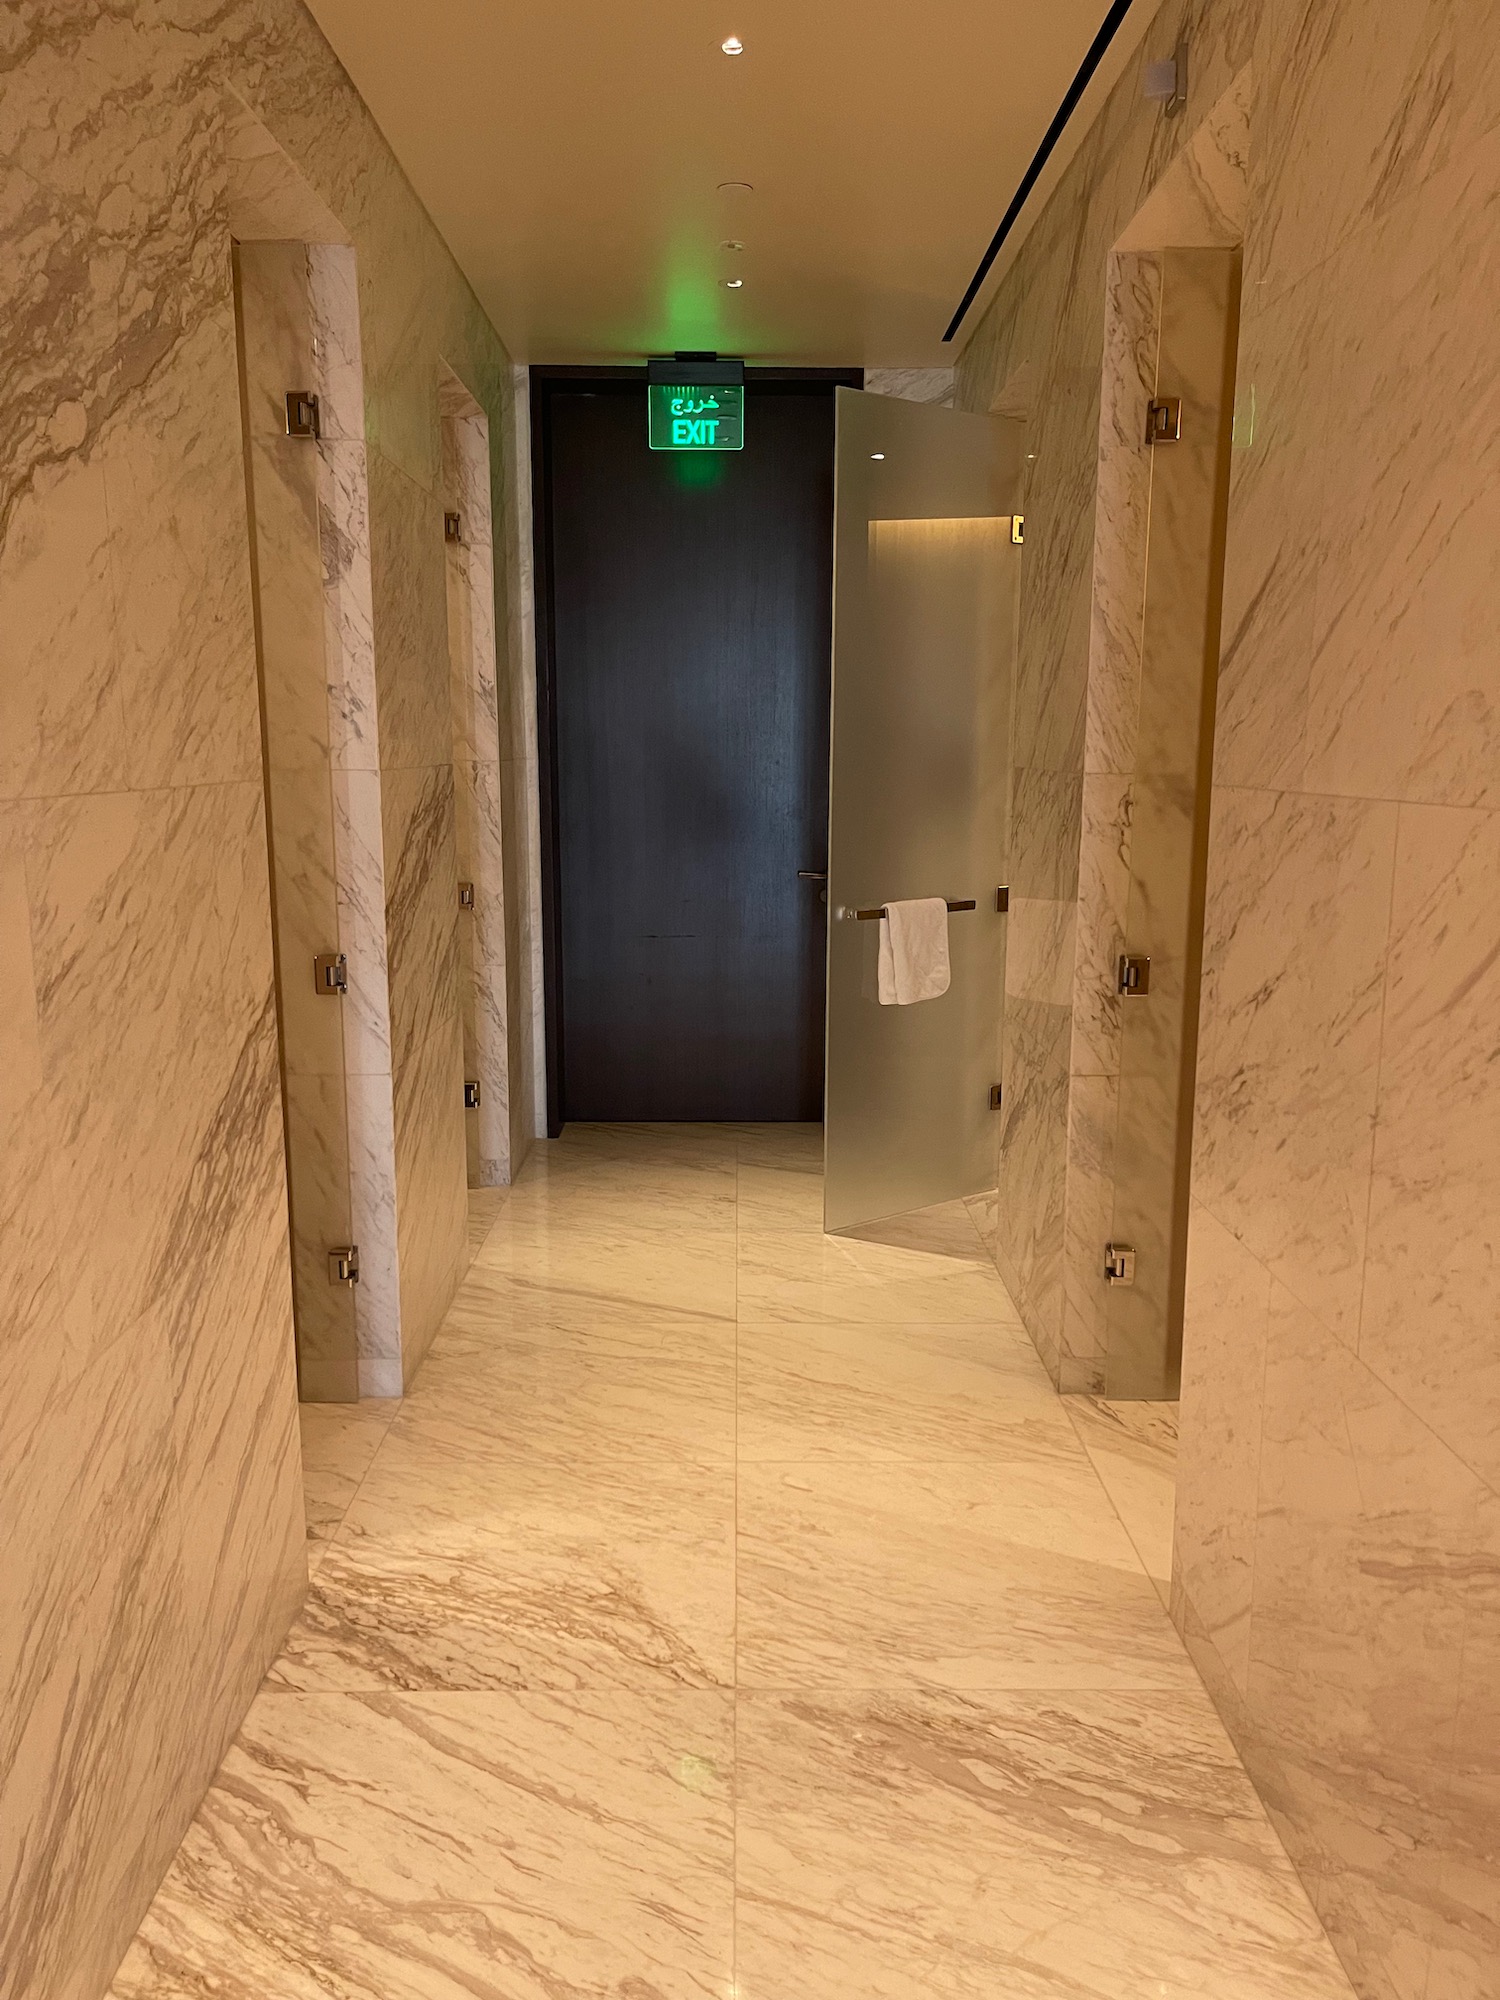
(869,916)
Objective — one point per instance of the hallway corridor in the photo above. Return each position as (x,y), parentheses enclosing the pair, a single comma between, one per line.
(728,1611)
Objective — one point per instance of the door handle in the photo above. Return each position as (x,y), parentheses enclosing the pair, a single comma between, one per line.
(812,874)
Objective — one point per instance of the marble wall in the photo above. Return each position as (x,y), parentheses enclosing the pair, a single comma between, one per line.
(149,1487)
(1337,1566)
(476,781)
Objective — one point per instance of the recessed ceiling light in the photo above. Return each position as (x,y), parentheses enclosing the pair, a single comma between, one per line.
(877,454)
(730,244)
(733,46)
(733,284)
(736,187)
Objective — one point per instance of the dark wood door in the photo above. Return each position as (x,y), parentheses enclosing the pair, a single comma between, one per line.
(687,663)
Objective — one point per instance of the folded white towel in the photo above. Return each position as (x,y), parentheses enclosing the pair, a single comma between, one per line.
(913,951)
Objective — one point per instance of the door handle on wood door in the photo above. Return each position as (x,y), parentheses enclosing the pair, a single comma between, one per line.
(812,874)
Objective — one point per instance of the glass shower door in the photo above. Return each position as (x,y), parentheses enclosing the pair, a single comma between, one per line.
(925,580)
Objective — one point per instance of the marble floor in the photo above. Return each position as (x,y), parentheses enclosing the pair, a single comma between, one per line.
(731,1611)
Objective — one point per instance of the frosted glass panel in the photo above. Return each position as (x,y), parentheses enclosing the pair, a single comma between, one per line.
(925,577)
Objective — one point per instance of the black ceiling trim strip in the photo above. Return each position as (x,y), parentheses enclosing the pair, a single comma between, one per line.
(1097,50)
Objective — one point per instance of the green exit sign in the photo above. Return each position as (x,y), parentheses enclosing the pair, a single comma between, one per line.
(695,419)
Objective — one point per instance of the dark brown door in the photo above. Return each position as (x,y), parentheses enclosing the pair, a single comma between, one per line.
(686,661)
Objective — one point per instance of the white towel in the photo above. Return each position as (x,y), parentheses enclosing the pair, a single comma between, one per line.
(913,951)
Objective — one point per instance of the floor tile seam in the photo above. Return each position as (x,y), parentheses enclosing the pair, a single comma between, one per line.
(1165,1603)
(601,1688)
(614,1456)
(834,1318)
(934,1460)
(1114,1506)
(328,1540)
(977,1460)
(541,1694)
(585,1301)
(1043,1689)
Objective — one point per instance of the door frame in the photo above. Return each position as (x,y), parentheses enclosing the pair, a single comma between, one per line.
(545,383)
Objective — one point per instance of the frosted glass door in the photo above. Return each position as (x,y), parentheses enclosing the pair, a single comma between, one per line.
(925,577)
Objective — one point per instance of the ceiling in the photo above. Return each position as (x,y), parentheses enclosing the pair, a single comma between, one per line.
(572,151)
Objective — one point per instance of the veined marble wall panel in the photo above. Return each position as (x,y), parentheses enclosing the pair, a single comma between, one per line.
(148,1458)
(913,385)
(427,1044)
(519,781)
(479,811)
(1337,1564)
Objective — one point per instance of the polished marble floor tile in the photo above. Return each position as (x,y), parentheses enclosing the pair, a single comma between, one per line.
(731,1612)
(339,1442)
(642,1264)
(772,1200)
(1030,1846)
(620,1565)
(514,1847)
(1133,1447)
(578,1400)
(1014,1573)
(797,1275)
(875,1391)
(485,1205)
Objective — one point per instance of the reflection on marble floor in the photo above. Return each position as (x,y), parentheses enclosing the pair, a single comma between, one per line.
(731,1611)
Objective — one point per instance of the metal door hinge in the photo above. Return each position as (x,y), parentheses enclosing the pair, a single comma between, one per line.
(995,1096)
(1164,420)
(1135,975)
(1166,83)
(453,528)
(471,1096)
(302,414)
(343,1265)
(331,973)
(1018,529)
(1119,1263)
(466,895)
(1002,900)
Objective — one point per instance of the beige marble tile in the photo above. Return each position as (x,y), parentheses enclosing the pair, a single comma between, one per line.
(646,1270)
(1131,334)
(569,1310)
(1133,1448)
(1369,1541)
(532,1395)
(872,1392)
(1290,1041)
(1223,1395)
(485,1204)
(1103,904)
(797,1276)
(432,1197)
(775,1200)
(1436,1177)
(1033,1168)
(1093,1110)
(153,1240)
(1401,699)
(490,1309)
(1338,1168)
(339,1441)
(608,1563)
(1032,1844)
(779,1145)
(428,1846)
(1275,545)
(1015,1573)
(611,1197)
